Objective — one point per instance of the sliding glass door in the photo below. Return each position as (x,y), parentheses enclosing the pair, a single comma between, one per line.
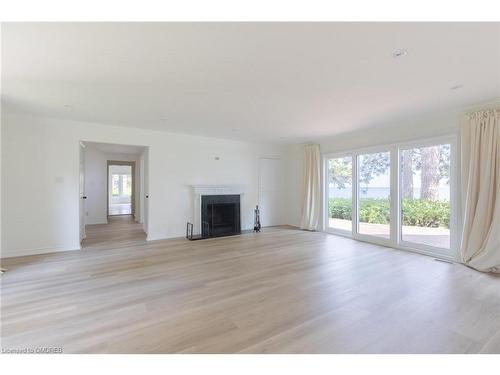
(425,196)
(339,194)
(374,194)
(399,195)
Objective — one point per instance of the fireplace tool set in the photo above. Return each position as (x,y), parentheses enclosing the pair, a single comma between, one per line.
(256,223)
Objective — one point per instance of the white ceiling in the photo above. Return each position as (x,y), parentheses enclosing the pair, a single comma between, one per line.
(283,82)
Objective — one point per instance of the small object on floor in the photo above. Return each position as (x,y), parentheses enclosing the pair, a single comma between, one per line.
(189,231)
(256,225)
(2,270)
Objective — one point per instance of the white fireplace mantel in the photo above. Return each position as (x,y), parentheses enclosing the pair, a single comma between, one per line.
(217,189)
(200,190)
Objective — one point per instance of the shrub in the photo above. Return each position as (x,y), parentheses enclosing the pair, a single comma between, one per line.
(416,212)
(426,213)
(340,208)
(373,210)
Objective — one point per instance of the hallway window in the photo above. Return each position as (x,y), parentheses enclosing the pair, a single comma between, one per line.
(120,190)
(116,184)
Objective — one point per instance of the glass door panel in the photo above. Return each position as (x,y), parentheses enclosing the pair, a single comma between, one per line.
(425,195)
(339,193)
(374,194)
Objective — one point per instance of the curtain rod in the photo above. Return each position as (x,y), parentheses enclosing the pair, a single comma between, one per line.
(484,112)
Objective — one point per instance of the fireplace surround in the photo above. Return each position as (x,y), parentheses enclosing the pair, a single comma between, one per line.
(207,194)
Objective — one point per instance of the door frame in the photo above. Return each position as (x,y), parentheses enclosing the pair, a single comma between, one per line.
(132,196)
(326,194)
(392,240)
(452,252)
(81,194)
(354,233)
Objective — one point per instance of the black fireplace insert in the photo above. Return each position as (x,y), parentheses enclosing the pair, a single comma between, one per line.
(220,215)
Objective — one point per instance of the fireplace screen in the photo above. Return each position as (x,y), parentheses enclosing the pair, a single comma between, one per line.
(220,215)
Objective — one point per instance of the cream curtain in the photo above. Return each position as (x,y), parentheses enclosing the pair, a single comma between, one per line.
(311,199)
(481,188)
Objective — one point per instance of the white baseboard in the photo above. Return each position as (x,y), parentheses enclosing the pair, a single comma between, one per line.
(42,250)
(158,238)
(96,220)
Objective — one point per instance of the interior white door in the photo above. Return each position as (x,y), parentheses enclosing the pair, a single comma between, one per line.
(270,192)
(147,197)
(82,192)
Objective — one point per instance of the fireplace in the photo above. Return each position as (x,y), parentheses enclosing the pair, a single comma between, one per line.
(220,215)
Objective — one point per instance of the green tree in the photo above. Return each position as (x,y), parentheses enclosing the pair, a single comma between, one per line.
(444,162)
(407,163)
(372,165)
(430,173)
(433,163)
(340,172)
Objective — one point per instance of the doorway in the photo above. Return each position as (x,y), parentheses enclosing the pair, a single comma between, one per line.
(121,192)
(113,194)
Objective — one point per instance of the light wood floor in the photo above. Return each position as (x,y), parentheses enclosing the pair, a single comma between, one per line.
(121,231)
(279,291)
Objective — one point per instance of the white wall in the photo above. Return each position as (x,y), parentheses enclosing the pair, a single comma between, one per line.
(40,178)
(271,191)
(96,184)
(404,130)
(294,164)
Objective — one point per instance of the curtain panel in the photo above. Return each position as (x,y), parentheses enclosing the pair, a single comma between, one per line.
(311,188)
(480,247)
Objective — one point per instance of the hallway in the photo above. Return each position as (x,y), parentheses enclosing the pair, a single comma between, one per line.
(120,231)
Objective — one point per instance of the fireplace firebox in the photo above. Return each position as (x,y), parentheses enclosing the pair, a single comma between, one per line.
(220,215)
